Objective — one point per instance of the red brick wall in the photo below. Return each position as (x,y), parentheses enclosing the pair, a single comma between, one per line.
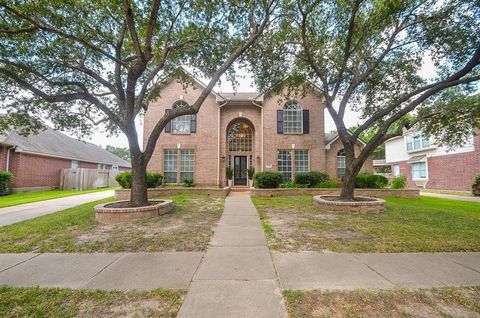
(3,157)
(331,159)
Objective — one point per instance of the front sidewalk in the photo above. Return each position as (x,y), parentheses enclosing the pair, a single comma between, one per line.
(17,213)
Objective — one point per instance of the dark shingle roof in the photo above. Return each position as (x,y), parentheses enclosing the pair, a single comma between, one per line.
(50,142)
(329,137)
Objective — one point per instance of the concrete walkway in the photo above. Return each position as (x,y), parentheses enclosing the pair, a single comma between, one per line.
(237,277)
(450,196)
(17,213)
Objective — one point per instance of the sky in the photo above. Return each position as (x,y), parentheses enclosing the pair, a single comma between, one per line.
(245,85)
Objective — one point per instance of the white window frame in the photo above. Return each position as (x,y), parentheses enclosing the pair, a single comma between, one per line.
(285,163)
(426,171)
(341,164)
(296,153)
(181,124)
(75,164)
(410,139)
(187,168)
(292,118)
(172,168)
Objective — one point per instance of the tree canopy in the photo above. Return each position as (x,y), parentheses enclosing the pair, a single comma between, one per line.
(120,152)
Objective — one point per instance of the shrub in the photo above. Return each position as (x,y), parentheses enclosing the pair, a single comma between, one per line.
(293,185)
(476,186)
(268,179)
(399,182)
(311,178)
(251,173)
(327,184)
(154,179)
(124,179)
(229,173)
(5,178)
(189,183)
(371,181)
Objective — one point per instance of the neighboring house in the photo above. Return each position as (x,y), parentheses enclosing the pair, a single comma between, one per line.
(242,130)
(36,161)
(424,164)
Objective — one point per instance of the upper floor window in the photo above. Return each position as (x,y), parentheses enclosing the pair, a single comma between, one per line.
(292,117)
(341,163)
(417,141)
(240,137)
(181,124)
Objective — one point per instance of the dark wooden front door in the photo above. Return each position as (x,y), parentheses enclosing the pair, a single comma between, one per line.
(240,170)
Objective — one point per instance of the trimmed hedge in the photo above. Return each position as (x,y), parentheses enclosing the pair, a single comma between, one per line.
(268,179)
(124,179)
(399,183)
(476,186)
(311,178)
(370,181)
(5,178)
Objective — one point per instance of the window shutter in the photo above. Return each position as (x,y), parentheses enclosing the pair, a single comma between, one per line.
(168,127)
(279,121)
(306,121)
(193,123)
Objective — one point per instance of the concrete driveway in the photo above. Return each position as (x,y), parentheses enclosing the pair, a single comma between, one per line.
(17,213)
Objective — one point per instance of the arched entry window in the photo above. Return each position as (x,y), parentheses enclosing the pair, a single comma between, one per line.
(240,137)
(181,124)
(341,163)
(292,117)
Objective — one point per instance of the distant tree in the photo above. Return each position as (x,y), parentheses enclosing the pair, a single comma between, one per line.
(120,152)
(81,63)
(366,55)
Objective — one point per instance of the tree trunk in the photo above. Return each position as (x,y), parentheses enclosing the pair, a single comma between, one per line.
(352,167)
(139,195)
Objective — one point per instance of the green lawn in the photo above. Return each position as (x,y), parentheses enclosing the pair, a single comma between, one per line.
(428,224)
(188,228)
(61,302)
(435,302)
(29,197)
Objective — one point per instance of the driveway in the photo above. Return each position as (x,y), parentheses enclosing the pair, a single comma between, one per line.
(17,213)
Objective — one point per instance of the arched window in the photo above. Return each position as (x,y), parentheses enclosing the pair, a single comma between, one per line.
(181,124)
(341,163)
(292,117)
(240,137)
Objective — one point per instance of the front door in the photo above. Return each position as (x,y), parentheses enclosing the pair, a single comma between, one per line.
(240,170)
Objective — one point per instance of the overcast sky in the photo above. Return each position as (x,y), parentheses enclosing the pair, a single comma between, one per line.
(245,85)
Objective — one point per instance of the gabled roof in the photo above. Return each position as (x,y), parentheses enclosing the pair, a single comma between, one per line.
(330,138)
(50,142)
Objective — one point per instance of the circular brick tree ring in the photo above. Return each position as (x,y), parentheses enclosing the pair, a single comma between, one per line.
(108,213)
(331,203)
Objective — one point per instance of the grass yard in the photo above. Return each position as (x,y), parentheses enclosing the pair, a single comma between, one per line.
(56,302)
(437,302)
(29,197)
(188,228)
(295,224)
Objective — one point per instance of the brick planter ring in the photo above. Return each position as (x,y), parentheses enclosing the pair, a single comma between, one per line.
(373,205)
(105,214)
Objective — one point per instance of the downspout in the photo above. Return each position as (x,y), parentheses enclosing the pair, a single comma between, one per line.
(218,143)
(7,164)
(261,141)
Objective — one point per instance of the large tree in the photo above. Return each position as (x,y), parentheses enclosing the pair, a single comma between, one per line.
(81,63)
(367,56)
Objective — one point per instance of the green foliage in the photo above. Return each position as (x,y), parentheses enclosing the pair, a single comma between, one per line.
(371,181)
(251,173)
(5,178)
(293,185)
(125,179)
(327,184)
(120,152)
(189,183)
(154,179)
(268,179)
(399,182)
(476,186)
(229,173)
(311,178)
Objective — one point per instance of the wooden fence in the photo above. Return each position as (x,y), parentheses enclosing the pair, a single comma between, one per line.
(83,179)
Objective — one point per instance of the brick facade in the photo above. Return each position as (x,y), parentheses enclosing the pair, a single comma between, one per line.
(448,172)
(213,121)
(331,159)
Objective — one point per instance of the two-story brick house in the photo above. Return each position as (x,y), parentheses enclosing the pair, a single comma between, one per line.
(242,130)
